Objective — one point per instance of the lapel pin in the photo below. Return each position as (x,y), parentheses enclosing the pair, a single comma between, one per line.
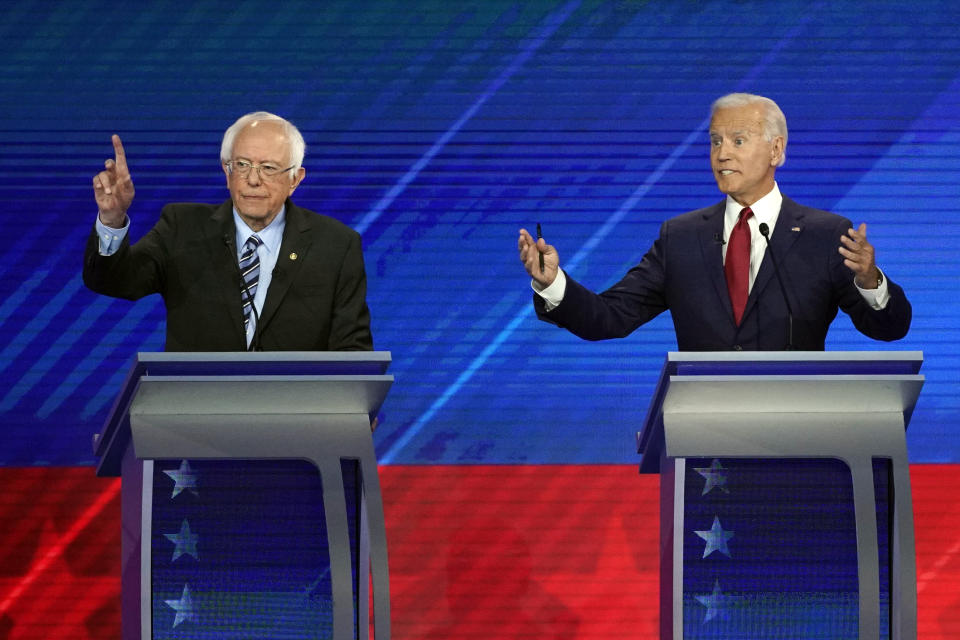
(293,256)
(796,229)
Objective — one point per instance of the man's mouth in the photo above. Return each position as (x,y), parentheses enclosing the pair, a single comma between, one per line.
(726,172)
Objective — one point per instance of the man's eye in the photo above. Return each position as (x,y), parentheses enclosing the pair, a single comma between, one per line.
(269,168)
(242,164)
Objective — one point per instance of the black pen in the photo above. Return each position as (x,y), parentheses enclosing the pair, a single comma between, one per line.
(540,237)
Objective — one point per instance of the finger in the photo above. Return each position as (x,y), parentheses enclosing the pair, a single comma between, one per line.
(860,233)
(528,256)
(119,153)
(110,171)
(853,261)
(103,181)
(857,267)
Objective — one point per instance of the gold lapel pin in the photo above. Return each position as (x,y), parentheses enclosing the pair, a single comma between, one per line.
(293,256)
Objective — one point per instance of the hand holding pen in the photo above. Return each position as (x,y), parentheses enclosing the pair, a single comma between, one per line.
(539,258)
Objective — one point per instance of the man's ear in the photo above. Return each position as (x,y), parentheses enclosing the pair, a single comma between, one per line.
(297,179)
(776,150)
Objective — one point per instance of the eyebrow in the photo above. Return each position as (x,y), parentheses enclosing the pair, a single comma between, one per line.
(251,161)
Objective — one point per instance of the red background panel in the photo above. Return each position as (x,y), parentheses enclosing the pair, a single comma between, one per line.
(475,551)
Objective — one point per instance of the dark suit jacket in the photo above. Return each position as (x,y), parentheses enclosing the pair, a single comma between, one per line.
(316,300)
(683,272)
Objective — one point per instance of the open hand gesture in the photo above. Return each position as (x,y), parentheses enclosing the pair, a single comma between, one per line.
(859,257)
(113,187)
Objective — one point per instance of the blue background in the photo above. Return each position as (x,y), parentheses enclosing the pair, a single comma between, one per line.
(437,129)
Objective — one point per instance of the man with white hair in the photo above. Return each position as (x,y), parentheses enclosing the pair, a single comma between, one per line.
(255,272)
(717,269)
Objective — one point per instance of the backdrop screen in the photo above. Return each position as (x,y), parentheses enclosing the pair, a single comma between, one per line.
(437,130)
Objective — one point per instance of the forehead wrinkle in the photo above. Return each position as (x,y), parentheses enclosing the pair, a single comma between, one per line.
(721,130)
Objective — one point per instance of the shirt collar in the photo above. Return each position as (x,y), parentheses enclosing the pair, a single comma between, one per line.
(271,235)
(766,209)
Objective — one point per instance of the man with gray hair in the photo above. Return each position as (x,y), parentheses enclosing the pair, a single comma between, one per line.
(255,272)
(755,272)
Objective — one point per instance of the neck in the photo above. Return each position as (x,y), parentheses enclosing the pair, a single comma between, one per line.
(257,224)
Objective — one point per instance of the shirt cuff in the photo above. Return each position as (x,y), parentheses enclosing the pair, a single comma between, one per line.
(111,238)
(552,295)
(876,298)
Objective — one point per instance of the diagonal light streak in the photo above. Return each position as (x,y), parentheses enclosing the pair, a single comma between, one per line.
(599,235)
(58,547)
(551,23)
(592,243)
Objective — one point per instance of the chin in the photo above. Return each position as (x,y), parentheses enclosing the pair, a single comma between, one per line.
(725,187)
(255,209)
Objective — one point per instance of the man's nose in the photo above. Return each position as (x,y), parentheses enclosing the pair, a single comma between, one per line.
(723,150)
(254,177)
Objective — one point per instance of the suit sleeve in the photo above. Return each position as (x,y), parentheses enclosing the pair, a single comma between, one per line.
(350,325)
(887,324)
(134,271)
(635,300)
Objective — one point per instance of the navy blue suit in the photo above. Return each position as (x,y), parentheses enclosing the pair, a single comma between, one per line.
(683,272)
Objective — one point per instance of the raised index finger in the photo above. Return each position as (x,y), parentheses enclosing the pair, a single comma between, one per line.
(121,157)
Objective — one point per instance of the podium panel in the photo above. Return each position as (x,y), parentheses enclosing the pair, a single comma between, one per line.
(814,440)
(241,545)
(251,504)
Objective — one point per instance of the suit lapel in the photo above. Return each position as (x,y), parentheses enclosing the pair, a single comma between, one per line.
(711,247)
(223,248)
(293,249)
(785,234)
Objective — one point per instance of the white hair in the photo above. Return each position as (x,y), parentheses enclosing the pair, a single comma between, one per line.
(294,138)
(774,122)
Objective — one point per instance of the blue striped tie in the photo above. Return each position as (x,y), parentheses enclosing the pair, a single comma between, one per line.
(250,274)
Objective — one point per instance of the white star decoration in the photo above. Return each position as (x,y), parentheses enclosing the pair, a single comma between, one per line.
(183,606)
(183,478)
(185,540)
(716,539)
(714,476)
(715,603)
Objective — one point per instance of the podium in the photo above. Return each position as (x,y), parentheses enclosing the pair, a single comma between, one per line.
(304,418)
(785,420)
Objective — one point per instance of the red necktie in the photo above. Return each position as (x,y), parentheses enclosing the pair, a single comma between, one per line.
(737,265)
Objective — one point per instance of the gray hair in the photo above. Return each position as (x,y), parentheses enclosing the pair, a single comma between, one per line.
(294,138)
(774,122)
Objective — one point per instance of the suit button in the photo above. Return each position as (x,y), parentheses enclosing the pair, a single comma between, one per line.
(737,347)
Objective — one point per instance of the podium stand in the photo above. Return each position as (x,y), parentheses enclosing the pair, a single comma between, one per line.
(787,411)
(279,406)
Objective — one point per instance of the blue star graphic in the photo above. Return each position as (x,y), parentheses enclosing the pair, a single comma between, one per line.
(716,603)
(183,607)
(714,476)
(183,478)
(716,539)
(185,540)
